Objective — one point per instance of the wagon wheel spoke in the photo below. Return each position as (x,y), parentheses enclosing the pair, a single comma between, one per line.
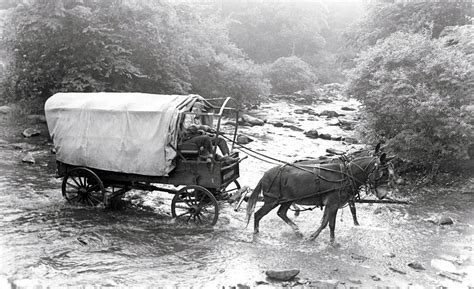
(189,218)
(77,196)
(183,214)
(73,186)
(183,208)
(96,200)
(81,181)
(91,188)
(75,181)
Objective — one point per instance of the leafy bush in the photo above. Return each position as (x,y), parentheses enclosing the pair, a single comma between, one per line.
(110,45)
(290,74)
(226,76)
(383,19)
(415,93)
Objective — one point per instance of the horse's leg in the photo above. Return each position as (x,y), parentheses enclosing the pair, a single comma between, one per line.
(282,214)
(353,212)
(324,223)
(332,225)
(265,209)
(297,209)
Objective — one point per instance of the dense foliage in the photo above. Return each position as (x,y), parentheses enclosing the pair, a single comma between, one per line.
(290,74)
(267,31)
(111,45)
(429,17)
(416,94)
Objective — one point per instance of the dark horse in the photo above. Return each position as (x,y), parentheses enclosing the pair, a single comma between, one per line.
(340,159)
(331,185)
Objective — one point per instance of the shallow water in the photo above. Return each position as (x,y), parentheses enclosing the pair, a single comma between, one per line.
(44,241)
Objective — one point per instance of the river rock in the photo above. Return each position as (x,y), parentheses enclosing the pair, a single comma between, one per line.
(323,283)
(443,265)
(283,275)
(351,140)
(28,158)
(293,127)
(375,277)
(5,109)
(276,123)
(251,120)
(388,255)
(336,138)
(312,133)
(396,270)
(243,139)
(355,281)
(329,113)
(29,132)
(347,108)
(325,136)
(445,220)
(416,265)
(37,118)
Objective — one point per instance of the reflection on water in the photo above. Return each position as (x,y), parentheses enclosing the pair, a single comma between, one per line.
(45,241)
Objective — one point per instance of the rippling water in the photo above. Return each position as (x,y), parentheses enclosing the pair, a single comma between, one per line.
(44,241)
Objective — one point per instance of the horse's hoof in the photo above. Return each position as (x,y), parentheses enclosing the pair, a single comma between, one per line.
(356,224)
(335,245)
(299,235)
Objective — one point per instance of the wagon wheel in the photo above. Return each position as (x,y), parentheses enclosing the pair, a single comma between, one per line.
(229,190)
(195,204)
(83,186)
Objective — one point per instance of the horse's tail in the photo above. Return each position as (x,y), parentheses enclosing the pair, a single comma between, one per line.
(253,201)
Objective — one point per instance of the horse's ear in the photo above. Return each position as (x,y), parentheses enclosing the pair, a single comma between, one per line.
(383,158)
(377,148)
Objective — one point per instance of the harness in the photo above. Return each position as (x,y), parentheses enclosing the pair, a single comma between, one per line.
(348,179)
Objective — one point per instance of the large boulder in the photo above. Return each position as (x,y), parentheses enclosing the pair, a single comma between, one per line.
(243,139)
(283,275)
(293,127)
(329,113)
(312,133)
(250,120)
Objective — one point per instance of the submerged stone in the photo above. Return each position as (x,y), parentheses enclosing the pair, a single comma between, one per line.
(283,275)
(28,158)
(29,132)
(416,265)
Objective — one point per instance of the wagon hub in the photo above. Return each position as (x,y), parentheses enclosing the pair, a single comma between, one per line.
(82,191)
(195,210)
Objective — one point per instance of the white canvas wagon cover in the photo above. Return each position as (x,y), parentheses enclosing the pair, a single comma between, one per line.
(119,132)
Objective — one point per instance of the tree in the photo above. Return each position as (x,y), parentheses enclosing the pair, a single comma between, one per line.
(268,31)
(290,74)
(383,19)
(416,96)
(116,45)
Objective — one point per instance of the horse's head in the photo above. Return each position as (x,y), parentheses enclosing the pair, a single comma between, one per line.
(380,176)
(375,172)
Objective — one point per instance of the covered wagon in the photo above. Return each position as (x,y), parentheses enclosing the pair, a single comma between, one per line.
(109,143)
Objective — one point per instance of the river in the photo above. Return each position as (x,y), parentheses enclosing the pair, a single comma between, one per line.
(46,242)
